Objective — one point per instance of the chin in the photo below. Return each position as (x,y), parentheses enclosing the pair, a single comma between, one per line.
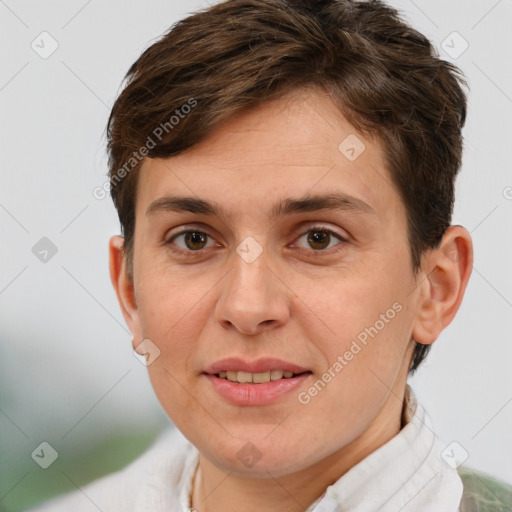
(257,458)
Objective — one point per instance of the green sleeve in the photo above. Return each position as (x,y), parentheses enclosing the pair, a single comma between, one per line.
(484,493)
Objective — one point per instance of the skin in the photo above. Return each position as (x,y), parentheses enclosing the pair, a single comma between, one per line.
(298,300)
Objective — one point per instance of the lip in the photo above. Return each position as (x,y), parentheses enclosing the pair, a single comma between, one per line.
(249,394)
(260,365)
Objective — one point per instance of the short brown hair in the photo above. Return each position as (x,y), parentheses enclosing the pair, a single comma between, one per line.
(386,78)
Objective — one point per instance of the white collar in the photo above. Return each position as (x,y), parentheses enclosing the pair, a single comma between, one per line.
(406,474)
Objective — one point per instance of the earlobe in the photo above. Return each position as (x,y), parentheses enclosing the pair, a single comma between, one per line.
(442,289)
(123,285)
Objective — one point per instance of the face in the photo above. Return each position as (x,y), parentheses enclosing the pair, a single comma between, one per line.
(260,264)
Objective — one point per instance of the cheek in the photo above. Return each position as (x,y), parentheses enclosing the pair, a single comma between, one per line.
(360,324)
(168,296)
(173,322)
(338,309)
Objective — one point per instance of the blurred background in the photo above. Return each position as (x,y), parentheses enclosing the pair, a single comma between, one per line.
(68,376)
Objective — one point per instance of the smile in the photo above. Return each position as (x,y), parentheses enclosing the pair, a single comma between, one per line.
(256,378)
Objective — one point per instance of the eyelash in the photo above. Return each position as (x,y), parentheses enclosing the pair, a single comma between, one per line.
(318,229)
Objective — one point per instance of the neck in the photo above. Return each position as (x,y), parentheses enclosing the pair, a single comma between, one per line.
(217,490)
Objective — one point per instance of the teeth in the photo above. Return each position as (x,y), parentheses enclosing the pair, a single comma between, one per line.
(244,377)
(257,378)
(276,374)
(232,376)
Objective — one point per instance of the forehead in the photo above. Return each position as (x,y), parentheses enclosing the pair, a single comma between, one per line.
(299,145)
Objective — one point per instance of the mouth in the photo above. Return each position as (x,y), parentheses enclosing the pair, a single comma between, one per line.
(242,377)
(243,388)
(259,382)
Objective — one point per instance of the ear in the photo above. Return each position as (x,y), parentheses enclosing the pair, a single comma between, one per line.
(123,286)
(448,269)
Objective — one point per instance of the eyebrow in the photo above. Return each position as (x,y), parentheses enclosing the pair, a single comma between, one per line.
(309,203)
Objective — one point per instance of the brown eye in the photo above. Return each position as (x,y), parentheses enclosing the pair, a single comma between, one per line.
(320,239)
(193,240)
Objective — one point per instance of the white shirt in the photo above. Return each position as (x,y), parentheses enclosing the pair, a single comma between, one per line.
(406,474)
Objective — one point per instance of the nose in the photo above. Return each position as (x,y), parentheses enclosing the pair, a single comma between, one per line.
(253,297)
